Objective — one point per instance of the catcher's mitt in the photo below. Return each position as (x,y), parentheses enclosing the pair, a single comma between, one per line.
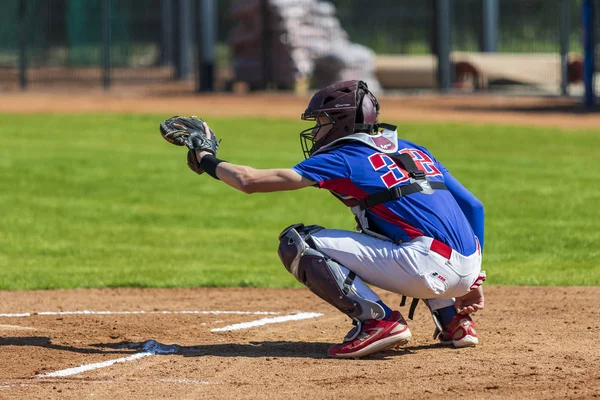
(191,132)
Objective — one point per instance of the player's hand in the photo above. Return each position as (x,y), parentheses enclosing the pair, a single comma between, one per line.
(470,302)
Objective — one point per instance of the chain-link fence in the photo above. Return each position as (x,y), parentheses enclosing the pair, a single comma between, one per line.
(60,41)
(516,46)
(525,53)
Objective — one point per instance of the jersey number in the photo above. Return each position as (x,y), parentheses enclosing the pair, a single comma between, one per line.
(396,175)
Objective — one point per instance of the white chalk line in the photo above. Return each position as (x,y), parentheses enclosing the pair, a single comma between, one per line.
(186,381)
(14,385)
(16,328)
(88,312)
(265,321)
(149,348)
(90,367)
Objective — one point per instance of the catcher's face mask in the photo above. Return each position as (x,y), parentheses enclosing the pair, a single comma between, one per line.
(311,138)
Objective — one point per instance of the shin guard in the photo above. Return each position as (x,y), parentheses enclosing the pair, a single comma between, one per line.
(324,276)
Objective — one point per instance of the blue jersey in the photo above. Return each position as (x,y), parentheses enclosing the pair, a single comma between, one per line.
(356,170)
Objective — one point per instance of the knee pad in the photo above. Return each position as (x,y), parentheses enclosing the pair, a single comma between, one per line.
(322,275)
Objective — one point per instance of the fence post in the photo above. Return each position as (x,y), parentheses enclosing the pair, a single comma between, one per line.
(588,50)
(23,44)
(491,15)
(443,45)
(265,44)
(184,37)
(106,44)
(166,32)
(206,45)
(565,33)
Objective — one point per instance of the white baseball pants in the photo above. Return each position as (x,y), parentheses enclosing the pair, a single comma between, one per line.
(411,269)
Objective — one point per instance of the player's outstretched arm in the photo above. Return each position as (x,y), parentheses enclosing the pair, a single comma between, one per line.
(202,144)
(252,180)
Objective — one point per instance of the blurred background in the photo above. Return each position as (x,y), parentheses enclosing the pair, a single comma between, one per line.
(532,47)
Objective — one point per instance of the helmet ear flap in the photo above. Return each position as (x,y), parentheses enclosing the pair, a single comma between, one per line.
(360,118)
(367,112)
(361,91)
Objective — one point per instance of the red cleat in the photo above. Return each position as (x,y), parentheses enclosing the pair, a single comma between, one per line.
(374,336)
(460,332)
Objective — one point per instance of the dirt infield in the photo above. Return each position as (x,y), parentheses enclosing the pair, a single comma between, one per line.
(480,109)
(537,343)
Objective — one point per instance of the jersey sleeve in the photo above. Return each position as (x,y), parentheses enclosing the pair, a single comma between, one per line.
(468,203)
(323,167)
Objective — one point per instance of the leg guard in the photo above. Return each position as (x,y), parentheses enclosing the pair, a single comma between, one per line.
(323,276)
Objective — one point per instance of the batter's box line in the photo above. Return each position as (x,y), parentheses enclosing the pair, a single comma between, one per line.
(137,312)
(266,321)
(244,325)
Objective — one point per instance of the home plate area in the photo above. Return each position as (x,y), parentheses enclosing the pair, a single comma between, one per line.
(272,343)
(152,347)
(119,339)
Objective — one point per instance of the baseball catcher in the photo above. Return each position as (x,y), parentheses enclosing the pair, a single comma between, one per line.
(419,233)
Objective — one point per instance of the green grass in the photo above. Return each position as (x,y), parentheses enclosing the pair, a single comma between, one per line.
(103,201)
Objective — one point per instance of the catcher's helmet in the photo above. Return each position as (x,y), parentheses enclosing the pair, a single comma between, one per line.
(339,110)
